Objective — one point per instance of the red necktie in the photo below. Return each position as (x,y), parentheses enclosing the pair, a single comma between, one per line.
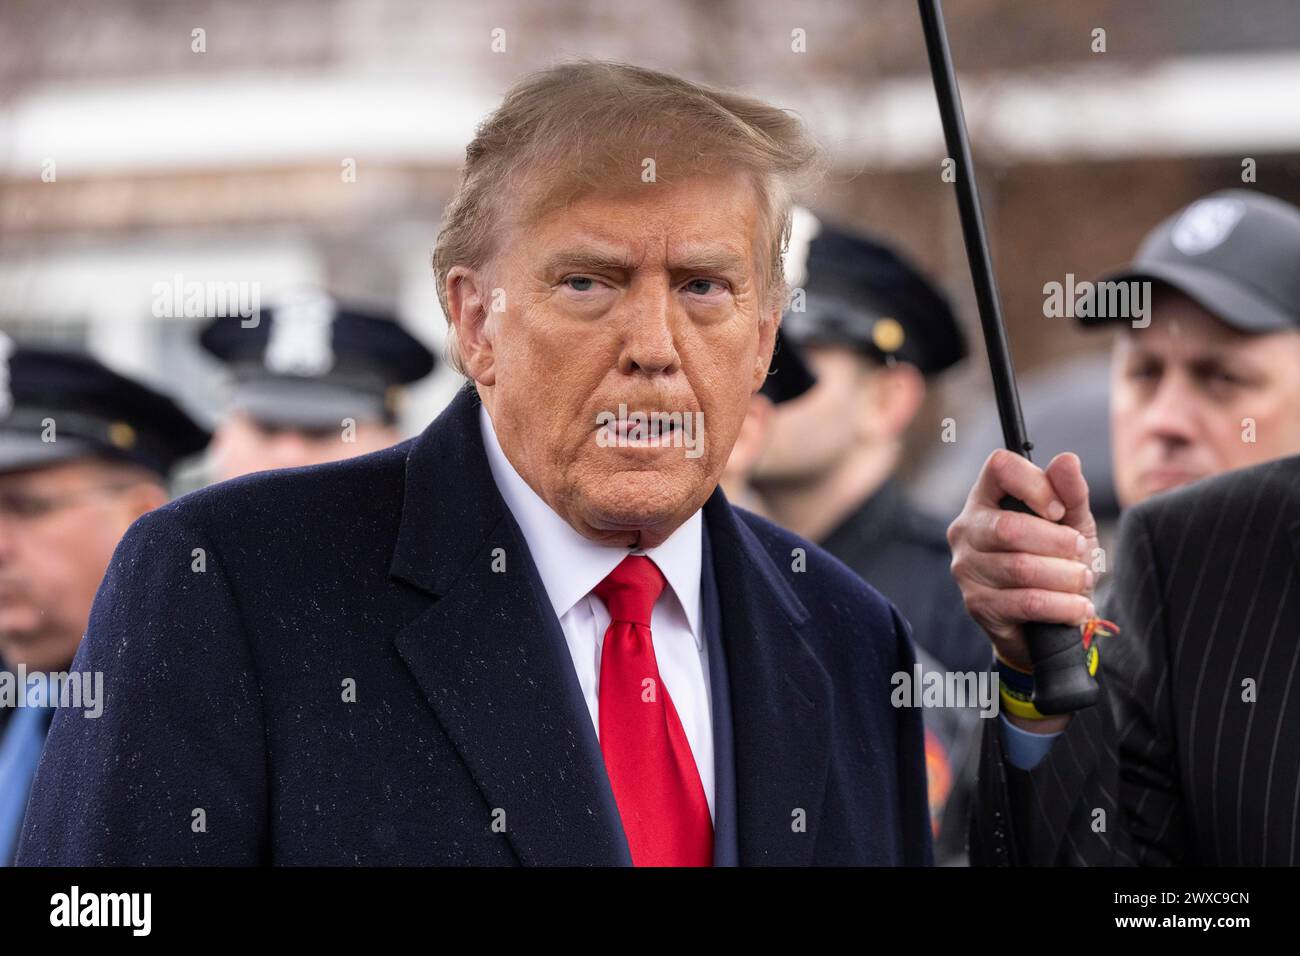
(651,769)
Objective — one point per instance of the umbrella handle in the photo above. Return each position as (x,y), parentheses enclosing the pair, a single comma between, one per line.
(1062,683)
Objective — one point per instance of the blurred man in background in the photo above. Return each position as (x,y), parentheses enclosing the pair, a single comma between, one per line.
(821,462)
(1207,382)
(872,328)
(951,733)
(312,381)
(1213,383)
(83,453)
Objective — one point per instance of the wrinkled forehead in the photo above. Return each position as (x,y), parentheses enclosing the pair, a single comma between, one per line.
(714,211)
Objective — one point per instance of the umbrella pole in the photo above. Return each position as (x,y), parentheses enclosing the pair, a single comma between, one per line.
(1062,682)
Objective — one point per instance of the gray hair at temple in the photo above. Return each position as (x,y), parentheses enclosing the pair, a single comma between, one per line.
(589,124)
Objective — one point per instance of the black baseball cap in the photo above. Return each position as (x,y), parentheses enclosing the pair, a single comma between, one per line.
(1236,253)
(310,361)
(57,406)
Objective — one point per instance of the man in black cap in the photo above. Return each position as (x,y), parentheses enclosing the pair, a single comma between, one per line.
(1209,379)
(872,328)
(84,451)
(1206,379)
(313,381)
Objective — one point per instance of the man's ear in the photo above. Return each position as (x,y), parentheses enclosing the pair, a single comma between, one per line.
(766,343)
(139,499)
(471,300)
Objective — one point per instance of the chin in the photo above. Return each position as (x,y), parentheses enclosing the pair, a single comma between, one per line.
(636,500)
(1157,486)
(19,631)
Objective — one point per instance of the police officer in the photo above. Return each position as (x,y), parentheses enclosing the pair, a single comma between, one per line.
(84,451)
(872,328)
(312,380)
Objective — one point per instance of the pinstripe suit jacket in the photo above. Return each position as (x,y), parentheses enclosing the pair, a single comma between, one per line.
(1193,754)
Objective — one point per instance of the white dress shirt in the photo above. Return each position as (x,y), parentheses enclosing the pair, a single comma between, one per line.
(571,566)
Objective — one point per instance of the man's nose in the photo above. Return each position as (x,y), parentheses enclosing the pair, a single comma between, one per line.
(1172,412)
(288,445)
(649,344)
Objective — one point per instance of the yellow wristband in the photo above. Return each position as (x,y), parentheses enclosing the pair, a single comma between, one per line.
(1019,705)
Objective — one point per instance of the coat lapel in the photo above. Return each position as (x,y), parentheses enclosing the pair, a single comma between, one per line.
(490,656)
(781,700)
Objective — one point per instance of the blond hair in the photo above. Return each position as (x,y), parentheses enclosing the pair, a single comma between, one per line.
(588,123)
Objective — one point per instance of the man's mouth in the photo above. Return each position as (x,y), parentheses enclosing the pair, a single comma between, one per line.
(633,432)
(624,429)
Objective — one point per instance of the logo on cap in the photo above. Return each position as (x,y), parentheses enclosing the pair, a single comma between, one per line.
(6,396)
(302,333)
(1206,224)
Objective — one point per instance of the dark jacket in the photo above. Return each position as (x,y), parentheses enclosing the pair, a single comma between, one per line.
(1193,754)
(228,736)
(904,553)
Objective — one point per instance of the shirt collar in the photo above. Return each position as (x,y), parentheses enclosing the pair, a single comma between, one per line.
(571,565)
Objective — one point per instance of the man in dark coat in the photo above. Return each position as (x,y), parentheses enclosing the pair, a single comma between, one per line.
(876,331)
(537,633)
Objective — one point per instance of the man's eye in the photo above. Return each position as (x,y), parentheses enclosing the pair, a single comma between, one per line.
(702,286)
(580,283)
(1221,377)
(23,507)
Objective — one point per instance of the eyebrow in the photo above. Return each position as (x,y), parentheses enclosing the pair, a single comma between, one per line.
(588,258)
(1203,361)
(712,259)
(707,259)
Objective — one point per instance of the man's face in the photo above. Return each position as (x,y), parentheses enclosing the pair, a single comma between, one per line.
(241,445)
(58,528)
(647,298)
(812,434)
(1185,392)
